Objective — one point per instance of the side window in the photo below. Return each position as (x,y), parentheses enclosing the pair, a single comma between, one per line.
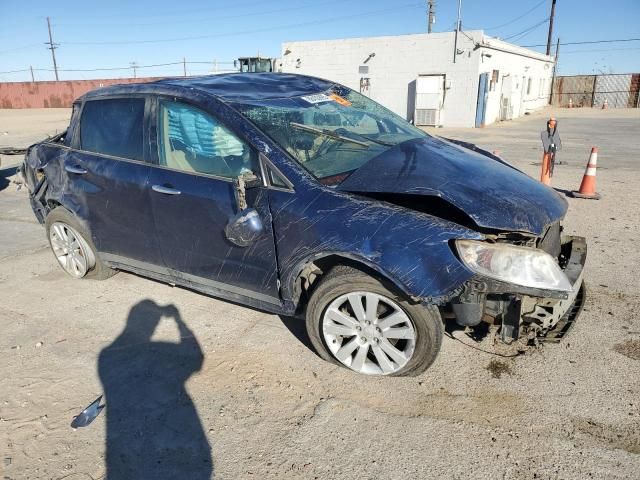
(75,112)
(192,140)
(275,179)
(113,127)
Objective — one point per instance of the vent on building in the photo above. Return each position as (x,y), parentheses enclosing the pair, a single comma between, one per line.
(363,69)
(427,116)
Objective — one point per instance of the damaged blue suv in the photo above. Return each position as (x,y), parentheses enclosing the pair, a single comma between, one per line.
(301,197)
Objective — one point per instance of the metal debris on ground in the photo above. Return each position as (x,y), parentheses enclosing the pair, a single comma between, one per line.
(89,414)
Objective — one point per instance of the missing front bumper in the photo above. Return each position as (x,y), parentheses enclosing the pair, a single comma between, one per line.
(537,314)
(566,322)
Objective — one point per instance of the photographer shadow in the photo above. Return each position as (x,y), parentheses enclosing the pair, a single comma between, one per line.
(153,428)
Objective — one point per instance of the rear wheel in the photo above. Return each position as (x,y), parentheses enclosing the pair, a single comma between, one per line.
(361,323)
(73,247)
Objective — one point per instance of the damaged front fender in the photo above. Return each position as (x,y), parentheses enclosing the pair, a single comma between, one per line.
(409,248)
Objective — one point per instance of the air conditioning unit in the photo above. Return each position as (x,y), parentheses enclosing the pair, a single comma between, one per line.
(427,116)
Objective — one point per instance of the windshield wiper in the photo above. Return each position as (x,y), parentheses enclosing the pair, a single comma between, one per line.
(327,133)
(374,140)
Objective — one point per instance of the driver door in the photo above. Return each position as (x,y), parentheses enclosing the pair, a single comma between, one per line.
(193,198)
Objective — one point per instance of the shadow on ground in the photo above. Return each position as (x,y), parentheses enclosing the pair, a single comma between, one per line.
(298,329)
(5,174)
(566,193)
(153,428)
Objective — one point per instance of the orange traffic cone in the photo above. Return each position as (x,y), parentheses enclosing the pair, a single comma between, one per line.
(588,185)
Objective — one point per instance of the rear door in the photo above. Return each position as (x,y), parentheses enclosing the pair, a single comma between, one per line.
(193,199)
(108,175)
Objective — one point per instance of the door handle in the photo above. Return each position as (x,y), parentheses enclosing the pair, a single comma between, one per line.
(165,190)
(76,170)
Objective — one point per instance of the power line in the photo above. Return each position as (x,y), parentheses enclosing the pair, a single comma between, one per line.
(527,30)
(15,71)
(514,20)
(118,68)
(129,67)
(174,13)
(602,50)
(586,42)
(24,47)
(218,17)
(245,32)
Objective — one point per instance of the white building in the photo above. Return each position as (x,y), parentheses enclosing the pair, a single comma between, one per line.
(416,76)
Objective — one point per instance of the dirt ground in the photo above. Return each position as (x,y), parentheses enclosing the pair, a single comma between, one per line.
(268,407)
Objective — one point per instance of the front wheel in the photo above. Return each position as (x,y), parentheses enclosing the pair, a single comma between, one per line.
(362,324)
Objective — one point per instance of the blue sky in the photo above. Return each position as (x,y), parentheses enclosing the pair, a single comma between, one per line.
(115,33)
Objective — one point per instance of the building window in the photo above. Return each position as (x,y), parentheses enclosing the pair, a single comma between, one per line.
(529,86)
(494,80)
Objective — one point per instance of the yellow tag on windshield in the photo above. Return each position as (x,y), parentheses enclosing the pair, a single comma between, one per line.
(341,100)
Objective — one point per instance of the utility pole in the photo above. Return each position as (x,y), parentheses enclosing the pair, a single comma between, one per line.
(184,66)
(33,79)
(432,15)
(553,12)
(52,47)
(555,68)
(458,27)
(134,65)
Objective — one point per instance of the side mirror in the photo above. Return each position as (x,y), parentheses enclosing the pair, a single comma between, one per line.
(246,226)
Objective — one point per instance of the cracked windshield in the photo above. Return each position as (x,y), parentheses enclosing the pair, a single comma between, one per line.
(331,134)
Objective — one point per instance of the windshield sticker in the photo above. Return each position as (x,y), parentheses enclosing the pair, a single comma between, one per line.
(317,98)
(341,100)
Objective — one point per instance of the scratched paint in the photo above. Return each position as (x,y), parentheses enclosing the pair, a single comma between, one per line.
(410,248)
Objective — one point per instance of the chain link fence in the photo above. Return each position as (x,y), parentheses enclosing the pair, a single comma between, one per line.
(617,90)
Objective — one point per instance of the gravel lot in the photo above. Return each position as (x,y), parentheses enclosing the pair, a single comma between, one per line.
(270,408)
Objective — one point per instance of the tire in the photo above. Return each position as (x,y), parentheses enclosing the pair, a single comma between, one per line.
(415,330)
(62,227)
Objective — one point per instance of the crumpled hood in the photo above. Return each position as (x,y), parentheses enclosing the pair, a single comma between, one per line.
(494,194)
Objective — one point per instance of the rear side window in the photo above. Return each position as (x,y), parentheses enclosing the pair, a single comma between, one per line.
(113,127)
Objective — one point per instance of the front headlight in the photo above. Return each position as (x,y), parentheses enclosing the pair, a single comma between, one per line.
(523,266)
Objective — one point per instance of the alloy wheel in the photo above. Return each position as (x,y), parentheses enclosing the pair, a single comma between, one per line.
(369,333)
(71,250)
